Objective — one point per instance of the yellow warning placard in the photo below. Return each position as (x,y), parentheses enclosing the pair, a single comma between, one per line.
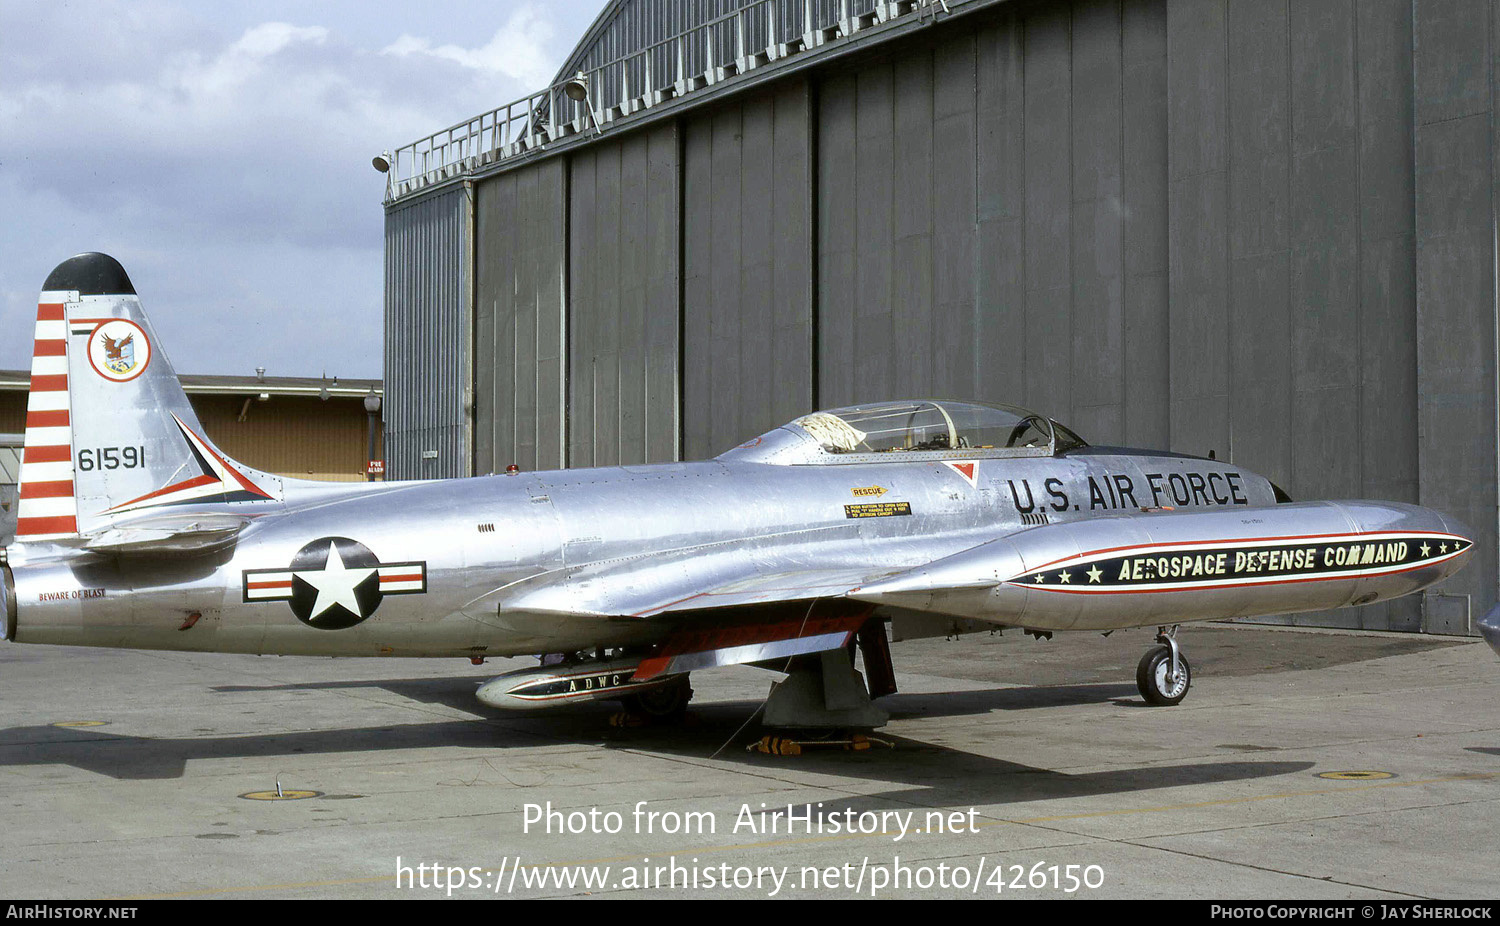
(868,491)
(877,510)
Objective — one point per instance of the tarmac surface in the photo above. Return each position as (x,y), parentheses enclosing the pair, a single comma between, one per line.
(1030,754)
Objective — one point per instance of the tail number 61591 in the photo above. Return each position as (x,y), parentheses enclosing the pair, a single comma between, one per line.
(111,458)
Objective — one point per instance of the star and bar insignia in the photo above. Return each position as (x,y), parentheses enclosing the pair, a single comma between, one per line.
(334,583)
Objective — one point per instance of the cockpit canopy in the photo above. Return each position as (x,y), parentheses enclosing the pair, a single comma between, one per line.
(911,430)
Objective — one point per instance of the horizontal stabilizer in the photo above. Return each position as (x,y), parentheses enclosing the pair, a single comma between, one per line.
(187,534)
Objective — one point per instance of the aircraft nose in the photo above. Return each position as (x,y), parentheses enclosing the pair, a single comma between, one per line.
(1489,628)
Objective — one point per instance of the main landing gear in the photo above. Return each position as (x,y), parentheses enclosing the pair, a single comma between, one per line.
(664,702)
(1164,675)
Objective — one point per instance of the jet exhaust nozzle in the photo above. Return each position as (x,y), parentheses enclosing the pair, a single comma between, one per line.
(549,686)
(7,602)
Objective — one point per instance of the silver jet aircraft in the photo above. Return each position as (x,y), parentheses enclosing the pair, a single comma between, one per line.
(791,551)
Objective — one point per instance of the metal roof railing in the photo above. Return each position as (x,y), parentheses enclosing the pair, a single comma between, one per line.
(750,36)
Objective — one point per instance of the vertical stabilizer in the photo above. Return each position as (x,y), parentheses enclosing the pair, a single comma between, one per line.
(109,431)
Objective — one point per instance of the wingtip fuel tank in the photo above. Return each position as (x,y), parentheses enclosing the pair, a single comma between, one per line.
(1178,565)
(549,686)
(1489,628)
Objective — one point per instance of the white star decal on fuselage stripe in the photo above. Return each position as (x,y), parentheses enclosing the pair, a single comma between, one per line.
(335,584)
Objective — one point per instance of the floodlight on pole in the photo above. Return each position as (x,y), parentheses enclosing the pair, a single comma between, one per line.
(576,89)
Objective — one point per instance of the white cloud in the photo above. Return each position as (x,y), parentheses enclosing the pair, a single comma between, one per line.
(516,50)
(241,62)
(226,161)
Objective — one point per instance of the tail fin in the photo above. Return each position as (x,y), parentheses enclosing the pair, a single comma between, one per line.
(109,431)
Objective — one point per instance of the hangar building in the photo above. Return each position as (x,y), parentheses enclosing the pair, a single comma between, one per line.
(1262,229)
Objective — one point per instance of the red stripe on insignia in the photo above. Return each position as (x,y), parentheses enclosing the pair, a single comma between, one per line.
(67,524)
(56,382)
(60,489)
(52,453)
(49,312)
(50,348)
(403,577)
(276,583)
(49,419)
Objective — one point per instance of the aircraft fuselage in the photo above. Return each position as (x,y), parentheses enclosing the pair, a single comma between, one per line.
(434,560)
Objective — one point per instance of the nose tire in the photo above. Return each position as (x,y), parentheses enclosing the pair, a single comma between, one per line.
(1151,677)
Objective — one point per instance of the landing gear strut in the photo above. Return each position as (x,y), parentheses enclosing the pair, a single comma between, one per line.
(1164,675)
(821,692)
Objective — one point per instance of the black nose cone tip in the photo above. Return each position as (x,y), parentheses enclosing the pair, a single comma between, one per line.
(91,274)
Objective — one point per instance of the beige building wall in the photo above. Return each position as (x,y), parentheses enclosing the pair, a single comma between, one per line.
(303,437)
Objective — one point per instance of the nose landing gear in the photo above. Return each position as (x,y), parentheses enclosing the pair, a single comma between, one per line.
(1164,675)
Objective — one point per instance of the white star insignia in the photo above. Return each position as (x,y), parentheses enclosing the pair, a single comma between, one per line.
(1426,550)
(335,584)
(1443,547)
(1094,573)
(1064,576)
(1040,578)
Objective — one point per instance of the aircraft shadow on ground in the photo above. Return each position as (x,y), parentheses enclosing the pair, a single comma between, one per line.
(449,691)
(919,773)
(458,692)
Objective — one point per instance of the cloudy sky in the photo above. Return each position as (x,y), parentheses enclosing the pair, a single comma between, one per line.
(221,151)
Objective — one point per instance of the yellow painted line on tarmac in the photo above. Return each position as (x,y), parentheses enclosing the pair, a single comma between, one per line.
(810,840)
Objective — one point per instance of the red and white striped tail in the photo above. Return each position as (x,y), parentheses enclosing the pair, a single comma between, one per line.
(110,434)
(48,509)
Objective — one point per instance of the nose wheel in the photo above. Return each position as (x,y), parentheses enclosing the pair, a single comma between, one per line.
(1164,675)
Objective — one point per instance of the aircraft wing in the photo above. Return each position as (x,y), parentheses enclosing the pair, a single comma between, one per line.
(664,584)
(652,594)
(743,609)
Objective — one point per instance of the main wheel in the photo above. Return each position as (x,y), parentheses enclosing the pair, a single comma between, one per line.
(662,702)
(1151,677)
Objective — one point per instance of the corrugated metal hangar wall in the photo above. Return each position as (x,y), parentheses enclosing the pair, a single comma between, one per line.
(1264,229)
